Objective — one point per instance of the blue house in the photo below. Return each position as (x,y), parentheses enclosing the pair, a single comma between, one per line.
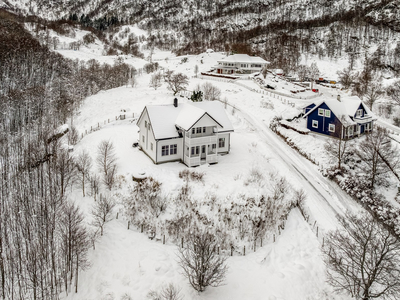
(345,117)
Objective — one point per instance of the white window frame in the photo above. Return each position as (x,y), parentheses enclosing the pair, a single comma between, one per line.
(193,130)
(221,143)
(359,113)
(327,113)
(351,130)
(173,149)
(151,146)
(165,150)
(320,112)
(198,130)
(331,127)
(314,123)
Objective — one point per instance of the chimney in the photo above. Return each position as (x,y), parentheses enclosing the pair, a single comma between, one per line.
(338,98)
(176,102)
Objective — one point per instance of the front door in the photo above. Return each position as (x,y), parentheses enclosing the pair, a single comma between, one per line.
(203,152)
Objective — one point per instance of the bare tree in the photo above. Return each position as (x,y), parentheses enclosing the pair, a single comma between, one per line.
(363,258)
(200,262)
(314,73)
(101,212)
(83,165)
(106,161)
(394,92)
(346,77)
(176,82)
(377,156)
(374,92)
(169,292)
(155,80)
(210,91)
(303,72)
(339,148)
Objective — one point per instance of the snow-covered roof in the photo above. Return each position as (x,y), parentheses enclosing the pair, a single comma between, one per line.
(188,115)
(162,119)
(165,119)
(243,58)
(345,109)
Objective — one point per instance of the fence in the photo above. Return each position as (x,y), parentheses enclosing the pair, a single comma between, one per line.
(104,123)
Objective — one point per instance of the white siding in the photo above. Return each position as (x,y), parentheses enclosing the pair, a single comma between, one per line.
(177,156)
(227,142)
(148,137)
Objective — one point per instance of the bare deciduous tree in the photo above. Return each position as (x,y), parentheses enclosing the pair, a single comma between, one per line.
(374,92)
(83,165)
(106,161)
(363,258)
(377,156)
(176,82)
(339,148)
(200,262)
(101,212)
(394,92)
(169,292)
(155,80)
(210,91)
(346,77)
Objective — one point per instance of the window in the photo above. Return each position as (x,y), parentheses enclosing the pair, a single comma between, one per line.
(193,130)
(204,129)
(315,123)
(164,150)
(197,150)
(327,113)
(151,146)
(359,113)
(221,143)
(203,149)
(198,130)
(145,124)
(320,111)
(192,151)
(332,127)
(350,130)
(173,149)
(214,146)
(143,138)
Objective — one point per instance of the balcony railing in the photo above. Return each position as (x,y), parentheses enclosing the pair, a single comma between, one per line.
(198,141)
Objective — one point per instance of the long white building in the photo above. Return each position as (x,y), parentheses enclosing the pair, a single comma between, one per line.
(240,64)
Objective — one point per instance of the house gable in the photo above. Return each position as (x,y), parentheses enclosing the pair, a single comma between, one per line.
(206,121)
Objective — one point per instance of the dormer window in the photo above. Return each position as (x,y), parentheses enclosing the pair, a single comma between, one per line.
(320,111)
(359,113)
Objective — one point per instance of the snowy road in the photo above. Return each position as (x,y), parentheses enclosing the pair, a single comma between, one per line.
(325,199)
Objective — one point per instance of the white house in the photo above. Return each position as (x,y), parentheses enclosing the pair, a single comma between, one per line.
(240,64)
(193,133)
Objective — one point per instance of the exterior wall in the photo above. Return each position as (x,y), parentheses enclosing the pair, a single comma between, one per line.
(166,158)
(308,108)
(227,137)
(148,135)
(205,121)
(323,122)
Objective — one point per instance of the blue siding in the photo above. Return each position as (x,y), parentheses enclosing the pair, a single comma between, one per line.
(308,108)
(323,122)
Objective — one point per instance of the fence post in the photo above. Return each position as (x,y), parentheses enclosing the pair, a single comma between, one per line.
(274,238)
(129,223)
(141,228)
(117,216)
(244,250)
(255,243)
(231,251)
(317,231)
(182,243)
(163,241)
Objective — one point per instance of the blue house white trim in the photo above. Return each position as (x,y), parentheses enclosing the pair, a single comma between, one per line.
(345,117)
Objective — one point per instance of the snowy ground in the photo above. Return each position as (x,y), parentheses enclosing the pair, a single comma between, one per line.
(127,262)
